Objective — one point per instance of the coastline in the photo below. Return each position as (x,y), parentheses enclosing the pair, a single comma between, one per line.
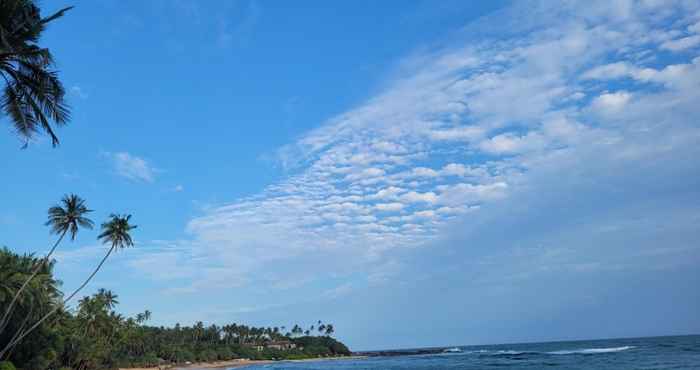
(206,365)
(238,363)
(222,364)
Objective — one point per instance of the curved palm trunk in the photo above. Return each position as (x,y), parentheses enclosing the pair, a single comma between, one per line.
(24,323)
(24,334)
(6,317)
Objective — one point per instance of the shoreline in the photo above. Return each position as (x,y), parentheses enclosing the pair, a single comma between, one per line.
(205,365)
(222,364)
(238,363)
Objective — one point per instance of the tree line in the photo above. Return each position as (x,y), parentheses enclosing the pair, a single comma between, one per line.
(95,336)
(39,331)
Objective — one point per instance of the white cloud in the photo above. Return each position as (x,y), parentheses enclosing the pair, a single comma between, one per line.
(467,133)
(695,28)
(415,197)
(132,167)
(365,174)
(424,172)
(425,214)
(512,143)
(454,169)
(389,207)
(460,129)
(609,103)
(386,193)
(608,71)
(562,128)
(467,194)
(682,44)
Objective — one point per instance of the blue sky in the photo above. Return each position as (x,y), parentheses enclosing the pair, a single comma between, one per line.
(416,173)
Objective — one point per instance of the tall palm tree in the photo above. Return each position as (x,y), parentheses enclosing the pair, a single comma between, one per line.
(33,95)
(66,217)
(116,232)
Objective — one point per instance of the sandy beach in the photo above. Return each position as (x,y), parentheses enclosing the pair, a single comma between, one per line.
(222,364)
(206,365)
(237,363)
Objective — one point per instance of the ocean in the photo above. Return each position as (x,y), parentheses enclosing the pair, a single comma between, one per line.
(679,352)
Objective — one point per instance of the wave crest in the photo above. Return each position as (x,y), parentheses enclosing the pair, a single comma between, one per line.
(590,350)
(582,351)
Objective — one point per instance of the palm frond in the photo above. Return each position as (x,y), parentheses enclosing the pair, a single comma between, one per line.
(58,14)
(34,97)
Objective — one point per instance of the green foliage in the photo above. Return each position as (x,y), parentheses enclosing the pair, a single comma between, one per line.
(225,353)
(97,337)
(40,296)
(7,365)
(32,96)
(322,346)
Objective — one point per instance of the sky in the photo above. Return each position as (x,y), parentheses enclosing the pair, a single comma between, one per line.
(417,173)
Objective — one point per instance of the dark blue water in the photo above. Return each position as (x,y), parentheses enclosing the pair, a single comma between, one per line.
(681,352)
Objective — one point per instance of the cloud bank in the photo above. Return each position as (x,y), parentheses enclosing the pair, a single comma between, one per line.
(580,112)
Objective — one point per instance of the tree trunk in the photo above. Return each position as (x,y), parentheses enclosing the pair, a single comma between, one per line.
(14,342)
(6,317)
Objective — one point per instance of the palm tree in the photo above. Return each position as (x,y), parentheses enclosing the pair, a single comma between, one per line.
(329,330)
(116,231)
(143,317)
(66,217)
(108,298)
(33,94)
(40,296)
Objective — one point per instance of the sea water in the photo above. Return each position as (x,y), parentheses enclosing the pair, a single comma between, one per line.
(681,352)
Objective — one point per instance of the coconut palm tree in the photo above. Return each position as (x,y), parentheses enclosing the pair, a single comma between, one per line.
(108,298)
(116,232)
(329,330)
(66,217)
(33,95)
(143,317)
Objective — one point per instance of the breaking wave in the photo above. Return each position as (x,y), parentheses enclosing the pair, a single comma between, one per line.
(583,351)
(590,350)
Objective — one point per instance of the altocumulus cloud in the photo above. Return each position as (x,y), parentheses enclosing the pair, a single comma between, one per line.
(472,126)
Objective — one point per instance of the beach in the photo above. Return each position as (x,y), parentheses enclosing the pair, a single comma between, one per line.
(206,365)
(222,364)
(238,363)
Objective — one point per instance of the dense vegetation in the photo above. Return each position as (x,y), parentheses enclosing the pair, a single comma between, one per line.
(38,331)
(95,336)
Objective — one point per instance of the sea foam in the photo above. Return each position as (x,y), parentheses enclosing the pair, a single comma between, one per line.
(590,350)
